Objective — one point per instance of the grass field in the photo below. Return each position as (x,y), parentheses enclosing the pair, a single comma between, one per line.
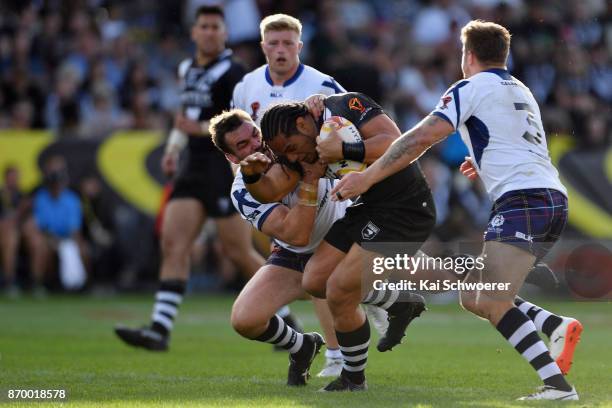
(449,359)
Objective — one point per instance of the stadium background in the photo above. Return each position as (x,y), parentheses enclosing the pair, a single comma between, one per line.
(95,82)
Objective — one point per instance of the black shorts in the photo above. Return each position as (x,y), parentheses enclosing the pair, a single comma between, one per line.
(408,218)
(288,259)
(210,182)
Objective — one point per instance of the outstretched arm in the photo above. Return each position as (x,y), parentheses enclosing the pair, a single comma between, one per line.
(405,150)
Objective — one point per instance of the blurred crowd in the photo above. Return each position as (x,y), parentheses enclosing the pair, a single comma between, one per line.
(85,68)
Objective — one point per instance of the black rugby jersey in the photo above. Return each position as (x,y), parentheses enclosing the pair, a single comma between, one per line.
(205,92)
(395,189)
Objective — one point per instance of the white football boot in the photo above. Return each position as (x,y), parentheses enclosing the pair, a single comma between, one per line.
(332,368)
(551,394)
(563,341)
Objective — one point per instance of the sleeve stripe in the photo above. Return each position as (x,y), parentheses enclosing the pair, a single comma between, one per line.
(455,91)
(264,216)
(333,85)
(443,116)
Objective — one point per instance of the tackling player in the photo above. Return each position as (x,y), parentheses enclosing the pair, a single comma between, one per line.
(202,188)
(285,78)
(499,120)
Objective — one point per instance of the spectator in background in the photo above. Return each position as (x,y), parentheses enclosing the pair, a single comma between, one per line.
(11,209)
(58,215)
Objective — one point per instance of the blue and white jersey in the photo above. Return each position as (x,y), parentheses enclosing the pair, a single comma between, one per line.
(499,121)
(256,213)
(256,92)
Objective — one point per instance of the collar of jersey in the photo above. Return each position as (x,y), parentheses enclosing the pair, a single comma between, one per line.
(502,73)
(226,53)
(288,82)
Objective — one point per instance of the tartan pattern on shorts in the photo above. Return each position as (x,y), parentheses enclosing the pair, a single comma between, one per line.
(531,219)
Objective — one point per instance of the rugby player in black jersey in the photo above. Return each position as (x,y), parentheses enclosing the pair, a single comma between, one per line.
(399,209)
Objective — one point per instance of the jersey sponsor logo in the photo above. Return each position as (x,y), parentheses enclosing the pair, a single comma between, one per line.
(445,101)
(369,231)
(355,104)
(253,216)
(254,109)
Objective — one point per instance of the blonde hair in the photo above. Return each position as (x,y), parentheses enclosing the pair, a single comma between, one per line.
(280,22)
(490,42)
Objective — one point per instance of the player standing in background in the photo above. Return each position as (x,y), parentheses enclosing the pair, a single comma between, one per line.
(202,188)
(285,78)
(499,120)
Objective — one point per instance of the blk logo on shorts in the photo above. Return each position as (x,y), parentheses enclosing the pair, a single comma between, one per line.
(369,231)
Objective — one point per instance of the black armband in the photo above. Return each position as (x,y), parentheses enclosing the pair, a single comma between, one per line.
(251,178)
(353,151)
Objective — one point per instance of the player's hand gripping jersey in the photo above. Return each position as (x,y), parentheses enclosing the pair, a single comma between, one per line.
(499,120)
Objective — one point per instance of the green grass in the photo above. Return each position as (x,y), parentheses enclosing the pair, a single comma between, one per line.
(450,359)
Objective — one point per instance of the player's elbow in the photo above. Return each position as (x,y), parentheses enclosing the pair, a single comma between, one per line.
(299,239)
(264,197)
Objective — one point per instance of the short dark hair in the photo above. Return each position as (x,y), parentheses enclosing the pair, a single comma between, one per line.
(281,118)
(490,42)
(225,122)
(207,10)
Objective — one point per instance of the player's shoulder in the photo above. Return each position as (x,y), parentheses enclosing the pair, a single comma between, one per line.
(256,75)
(314,73)
(352,100)
(322,79)
(184,66)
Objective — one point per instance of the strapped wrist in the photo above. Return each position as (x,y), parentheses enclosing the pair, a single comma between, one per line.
(251,178)
(308,194)
(353,151)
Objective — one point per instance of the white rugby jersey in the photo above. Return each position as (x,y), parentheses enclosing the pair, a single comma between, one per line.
(256,92)
(256,213)
(499,121)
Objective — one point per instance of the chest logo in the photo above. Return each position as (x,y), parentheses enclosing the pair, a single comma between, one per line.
(355,104)
(254,109)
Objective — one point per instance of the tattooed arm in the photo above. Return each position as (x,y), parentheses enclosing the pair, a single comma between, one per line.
(405,150)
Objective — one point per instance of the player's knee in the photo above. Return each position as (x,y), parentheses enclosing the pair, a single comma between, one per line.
(314,285)
(337,295)
(469,302)
(243,322)
(172,247)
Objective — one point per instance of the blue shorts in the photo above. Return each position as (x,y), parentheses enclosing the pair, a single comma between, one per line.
(288,259)
(531,219)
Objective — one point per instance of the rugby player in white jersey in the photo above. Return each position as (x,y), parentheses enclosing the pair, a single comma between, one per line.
(499,120)
(285,78)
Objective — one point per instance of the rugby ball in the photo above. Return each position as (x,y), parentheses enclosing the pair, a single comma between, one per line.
(348,133)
